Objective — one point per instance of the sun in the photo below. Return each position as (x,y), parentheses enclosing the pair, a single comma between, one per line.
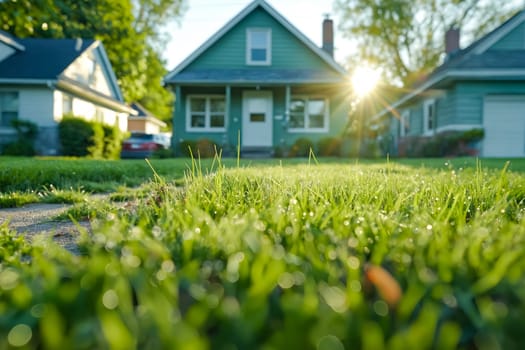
(364,80)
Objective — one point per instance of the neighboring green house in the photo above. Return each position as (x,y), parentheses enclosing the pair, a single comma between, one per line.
(479,87)
(260,78)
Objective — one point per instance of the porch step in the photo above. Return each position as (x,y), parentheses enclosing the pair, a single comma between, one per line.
(256,152)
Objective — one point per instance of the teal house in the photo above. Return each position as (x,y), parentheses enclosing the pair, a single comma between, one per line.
(260,84)
(479,87)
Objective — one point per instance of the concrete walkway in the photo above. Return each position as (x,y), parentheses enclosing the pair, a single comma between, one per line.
(37,218)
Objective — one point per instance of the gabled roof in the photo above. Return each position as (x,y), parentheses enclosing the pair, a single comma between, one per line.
(43,59)
(475,62)
(237,19)
(141,110)
(143,114)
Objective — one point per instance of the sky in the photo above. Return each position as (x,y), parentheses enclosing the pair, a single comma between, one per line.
(205,17)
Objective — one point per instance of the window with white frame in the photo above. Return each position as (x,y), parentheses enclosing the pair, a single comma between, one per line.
(429,116)
(308,114)
(206,113)
(404,125)
(258,46)
(8,107)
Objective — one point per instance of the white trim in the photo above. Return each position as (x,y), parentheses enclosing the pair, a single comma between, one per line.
(458,127)
(429,103)
(20,81)
(8,40)
(207,114)
(499,33)
(84,92)
(239,17)
(109,69)
(306,129)
(268,48)
(98,47)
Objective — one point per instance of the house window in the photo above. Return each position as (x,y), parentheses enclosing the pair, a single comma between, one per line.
(429,116)
(259,46)
(67,104)
(404,125)
(206,113)
(308,114)
(8,107)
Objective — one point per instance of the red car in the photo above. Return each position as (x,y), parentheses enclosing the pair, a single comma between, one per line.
(142,145)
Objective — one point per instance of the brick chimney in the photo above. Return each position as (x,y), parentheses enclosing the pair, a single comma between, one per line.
(451,41)
(328,35)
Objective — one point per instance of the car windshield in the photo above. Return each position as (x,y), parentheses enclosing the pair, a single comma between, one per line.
(142,136)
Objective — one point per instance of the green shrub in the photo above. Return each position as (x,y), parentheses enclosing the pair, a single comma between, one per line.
(112,141)
(163,153)
(75,136)
(81,138)
(449,143)
(329,146)
(187,147)
(278,152)
(203,148)
(301,147)
(96,147)
(26,133)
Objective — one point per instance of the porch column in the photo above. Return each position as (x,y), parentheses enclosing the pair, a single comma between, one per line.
(227,138)
(228,94)
(177,112)
(287,98)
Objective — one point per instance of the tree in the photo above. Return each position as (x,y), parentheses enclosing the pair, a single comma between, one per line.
(129,37)
(406,37)
(151,15)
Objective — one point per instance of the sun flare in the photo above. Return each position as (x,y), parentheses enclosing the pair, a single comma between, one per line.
(364,80)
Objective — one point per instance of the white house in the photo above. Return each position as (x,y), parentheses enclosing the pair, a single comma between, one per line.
(43,79)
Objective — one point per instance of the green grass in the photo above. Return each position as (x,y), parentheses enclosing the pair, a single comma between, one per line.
(306,256)
(28,180)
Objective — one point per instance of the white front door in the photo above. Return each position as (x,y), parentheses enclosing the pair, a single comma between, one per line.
(257,123)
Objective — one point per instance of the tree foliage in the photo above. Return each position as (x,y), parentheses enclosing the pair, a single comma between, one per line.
(406,37)
(129,30)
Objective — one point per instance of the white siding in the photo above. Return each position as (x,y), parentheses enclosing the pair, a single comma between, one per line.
(57,106)
(89,111)
(5,51)
(88,69)
(36,105)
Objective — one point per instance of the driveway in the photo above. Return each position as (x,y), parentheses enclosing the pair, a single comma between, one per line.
(33,219)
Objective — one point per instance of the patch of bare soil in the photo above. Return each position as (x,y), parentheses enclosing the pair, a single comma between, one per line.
(33,219)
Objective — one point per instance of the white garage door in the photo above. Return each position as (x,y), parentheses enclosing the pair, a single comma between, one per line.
(504,123)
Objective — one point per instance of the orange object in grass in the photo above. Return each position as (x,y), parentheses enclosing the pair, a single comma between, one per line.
(386,285)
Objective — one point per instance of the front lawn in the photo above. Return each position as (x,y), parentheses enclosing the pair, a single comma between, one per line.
(297,256)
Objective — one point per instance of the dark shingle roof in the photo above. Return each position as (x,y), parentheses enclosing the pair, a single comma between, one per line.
(494,59)
(142,112)
(256,76)
(42,58)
